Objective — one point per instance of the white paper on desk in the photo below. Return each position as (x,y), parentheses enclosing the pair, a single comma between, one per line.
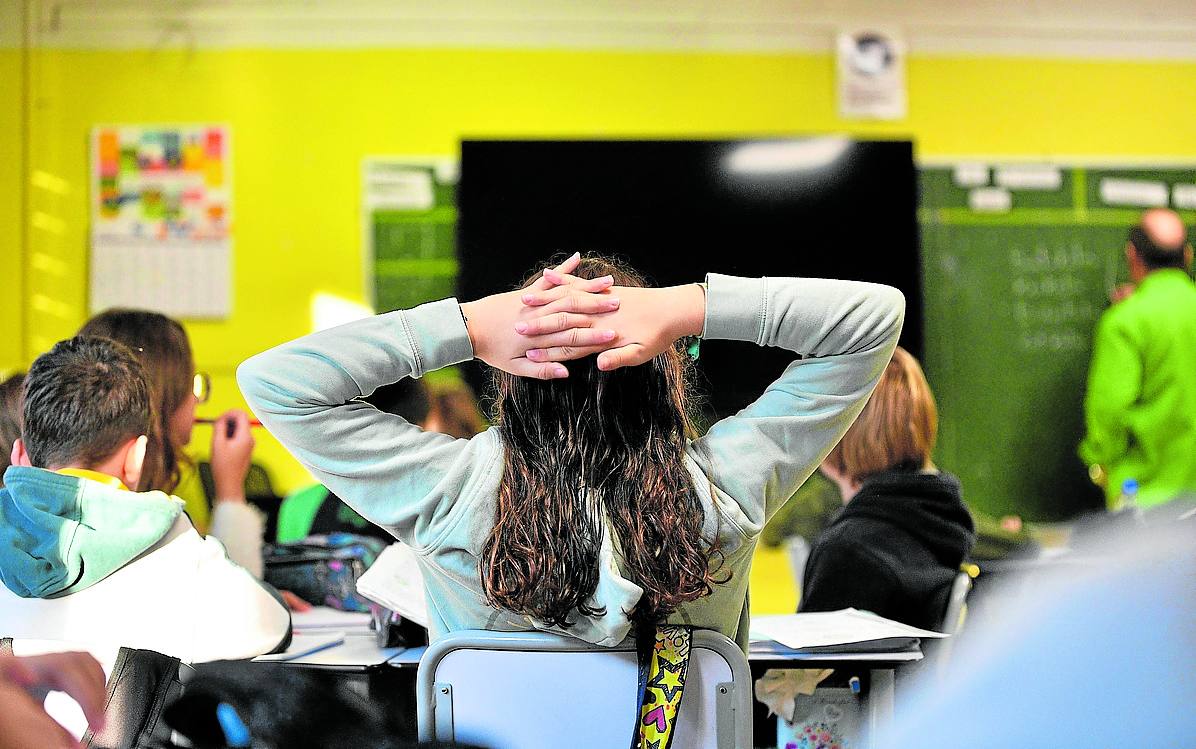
(394,580)
(306,644)
(823,629)
(325,618)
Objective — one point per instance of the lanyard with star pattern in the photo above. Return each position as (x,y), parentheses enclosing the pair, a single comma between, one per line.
(663,654)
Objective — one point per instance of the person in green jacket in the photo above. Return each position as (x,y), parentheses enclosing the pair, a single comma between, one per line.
(1140,408)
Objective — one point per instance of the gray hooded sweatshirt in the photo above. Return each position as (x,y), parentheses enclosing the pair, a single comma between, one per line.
(438,494)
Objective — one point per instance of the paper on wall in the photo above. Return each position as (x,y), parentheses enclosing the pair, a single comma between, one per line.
(990,199)
(161,219)
(1029,177)
(1183,196)
(871,74)
(970,174)
(1135,192)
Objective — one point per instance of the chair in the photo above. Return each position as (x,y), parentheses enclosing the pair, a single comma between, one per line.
(957,603)
(954,616)
(527,690)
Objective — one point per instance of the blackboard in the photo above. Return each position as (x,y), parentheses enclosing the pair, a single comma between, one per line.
(676,209)
(1012,298)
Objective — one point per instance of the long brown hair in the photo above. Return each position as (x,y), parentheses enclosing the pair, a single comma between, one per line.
(162,346)
(596,444)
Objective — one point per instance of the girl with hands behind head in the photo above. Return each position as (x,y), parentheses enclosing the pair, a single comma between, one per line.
(591,505)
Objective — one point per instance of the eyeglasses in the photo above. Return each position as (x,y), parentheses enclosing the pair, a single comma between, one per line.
(201,386)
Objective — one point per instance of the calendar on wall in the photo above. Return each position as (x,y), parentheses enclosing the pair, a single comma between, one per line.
(161,219)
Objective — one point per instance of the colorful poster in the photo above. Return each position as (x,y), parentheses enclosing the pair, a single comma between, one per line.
(161,219)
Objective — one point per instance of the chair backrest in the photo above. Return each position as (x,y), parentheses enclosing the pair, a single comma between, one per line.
(953,616)
(527,690)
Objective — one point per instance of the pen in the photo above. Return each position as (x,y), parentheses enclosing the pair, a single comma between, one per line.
(333,643)
(203,420)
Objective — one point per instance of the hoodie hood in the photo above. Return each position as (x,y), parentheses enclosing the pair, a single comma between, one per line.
(927,506)
(61,534)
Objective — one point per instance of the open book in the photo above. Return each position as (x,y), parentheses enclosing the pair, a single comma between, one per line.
(838,631)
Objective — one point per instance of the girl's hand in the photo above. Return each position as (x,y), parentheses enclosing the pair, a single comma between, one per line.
(232,451)
(495,322)
(648,321)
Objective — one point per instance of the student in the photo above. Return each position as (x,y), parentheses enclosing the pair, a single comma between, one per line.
(589,507)
(10,418)
(88,563)
(453,409)
(1094,654)
(896,546)
(162,346)
(24,722)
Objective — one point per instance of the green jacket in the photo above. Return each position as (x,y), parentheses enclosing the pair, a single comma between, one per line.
(1141,403)
(62,534)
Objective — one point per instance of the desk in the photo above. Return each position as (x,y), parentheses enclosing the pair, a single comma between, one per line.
(388,674)
(360,665)
(880,666)
(358,653)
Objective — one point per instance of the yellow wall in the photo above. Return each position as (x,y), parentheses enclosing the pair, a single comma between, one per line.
(302,121)
(11,298)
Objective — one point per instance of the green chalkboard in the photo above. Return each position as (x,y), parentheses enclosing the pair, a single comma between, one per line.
(1011,301)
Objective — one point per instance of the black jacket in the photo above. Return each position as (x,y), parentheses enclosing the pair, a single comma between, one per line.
(894,549)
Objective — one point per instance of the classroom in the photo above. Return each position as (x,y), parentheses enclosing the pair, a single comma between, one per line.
(380,374)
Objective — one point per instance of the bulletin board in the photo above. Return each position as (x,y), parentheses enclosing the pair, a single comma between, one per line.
(161,219)
(409,220)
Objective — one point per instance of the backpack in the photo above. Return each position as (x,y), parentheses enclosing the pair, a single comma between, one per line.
(141,685)
(323,570)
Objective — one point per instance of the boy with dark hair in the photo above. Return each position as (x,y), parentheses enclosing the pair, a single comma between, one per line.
(88,563)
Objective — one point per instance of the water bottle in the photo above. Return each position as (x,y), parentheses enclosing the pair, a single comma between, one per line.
(1128,501)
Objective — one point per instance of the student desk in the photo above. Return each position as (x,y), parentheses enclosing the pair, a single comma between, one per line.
(361,665)
(387,675)
(881,668)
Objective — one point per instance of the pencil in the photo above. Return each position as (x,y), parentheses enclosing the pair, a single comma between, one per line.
(202,420)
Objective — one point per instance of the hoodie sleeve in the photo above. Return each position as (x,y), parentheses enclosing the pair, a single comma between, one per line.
(307,393)
(240,527)
(845,333)
(234,615)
